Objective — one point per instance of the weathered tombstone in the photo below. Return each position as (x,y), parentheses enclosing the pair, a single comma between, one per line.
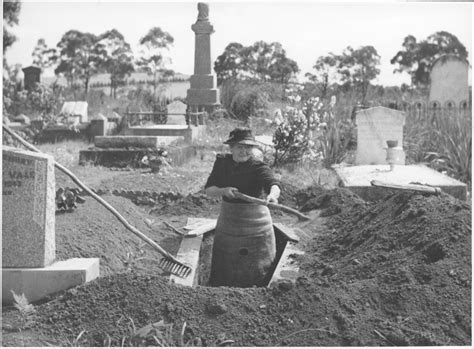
(28,236)
(32,76)
(176,107)
(376,126)
(98,126)
(203,93)
(28,208)
(449,81)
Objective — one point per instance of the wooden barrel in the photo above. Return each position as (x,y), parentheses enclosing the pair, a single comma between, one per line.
(244,245)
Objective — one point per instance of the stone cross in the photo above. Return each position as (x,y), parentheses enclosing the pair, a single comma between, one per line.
(376,126)
(28,209)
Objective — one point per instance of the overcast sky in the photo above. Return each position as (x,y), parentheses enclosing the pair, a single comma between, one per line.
(306,29)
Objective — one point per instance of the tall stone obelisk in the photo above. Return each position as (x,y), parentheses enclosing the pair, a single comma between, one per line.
(203,94)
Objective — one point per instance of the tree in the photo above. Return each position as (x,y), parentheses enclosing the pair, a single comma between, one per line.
(325,68)
(416,58)
(117,58)
(261,61)
(11,12)
(358,67)
(79,57)
(152,60)
(229,65)
(43,56)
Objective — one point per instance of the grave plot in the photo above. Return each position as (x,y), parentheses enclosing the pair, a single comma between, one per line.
(396,272)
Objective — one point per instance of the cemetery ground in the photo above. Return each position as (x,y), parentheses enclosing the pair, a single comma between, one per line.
(395,272)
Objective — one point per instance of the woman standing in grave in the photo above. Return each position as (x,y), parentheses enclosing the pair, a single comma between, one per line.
(244,244)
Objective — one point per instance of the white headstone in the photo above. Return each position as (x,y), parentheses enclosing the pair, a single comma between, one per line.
(76,111)
(449,81)
(376,126)
(28,209)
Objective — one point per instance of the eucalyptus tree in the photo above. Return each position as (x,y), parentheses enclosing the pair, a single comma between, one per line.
(152,59)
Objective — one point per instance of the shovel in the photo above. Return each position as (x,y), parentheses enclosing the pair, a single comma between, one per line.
(167,263)
(414,187)
(284,208)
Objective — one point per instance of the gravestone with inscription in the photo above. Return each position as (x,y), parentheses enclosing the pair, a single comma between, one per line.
(28,208)
(376,126)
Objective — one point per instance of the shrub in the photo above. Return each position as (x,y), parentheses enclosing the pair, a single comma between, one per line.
(248,102)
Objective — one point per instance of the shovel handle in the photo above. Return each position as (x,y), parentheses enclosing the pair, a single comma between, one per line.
(271,205)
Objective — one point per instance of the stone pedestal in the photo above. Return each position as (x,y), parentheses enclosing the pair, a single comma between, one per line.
(203,94)
(37,283)
(358,178)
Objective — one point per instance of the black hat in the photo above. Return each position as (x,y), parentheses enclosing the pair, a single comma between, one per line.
(242,136)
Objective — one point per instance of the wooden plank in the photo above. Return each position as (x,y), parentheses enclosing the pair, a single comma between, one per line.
(286,269)
(288,232)
(202,229)
(188,253)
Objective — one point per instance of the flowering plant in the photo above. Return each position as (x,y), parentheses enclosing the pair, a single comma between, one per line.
(300,126)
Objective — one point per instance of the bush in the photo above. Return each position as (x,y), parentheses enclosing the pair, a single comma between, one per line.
(249,102)
(309,130)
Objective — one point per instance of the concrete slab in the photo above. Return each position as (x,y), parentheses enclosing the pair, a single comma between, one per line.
(188,253)
(134,141)
(37,283)
(357,179)
(287,269)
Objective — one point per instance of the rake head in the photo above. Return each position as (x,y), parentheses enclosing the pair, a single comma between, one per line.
(174,267)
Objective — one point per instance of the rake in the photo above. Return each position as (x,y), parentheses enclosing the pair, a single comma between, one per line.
(167,263)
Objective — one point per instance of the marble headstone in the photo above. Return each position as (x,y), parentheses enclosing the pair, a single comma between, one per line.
(28,209)
(376,126)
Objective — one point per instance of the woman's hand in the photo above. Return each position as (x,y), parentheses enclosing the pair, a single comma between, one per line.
(274,195)
(228,192)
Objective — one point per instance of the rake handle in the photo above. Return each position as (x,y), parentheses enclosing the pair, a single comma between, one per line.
(271,205)
(96,197)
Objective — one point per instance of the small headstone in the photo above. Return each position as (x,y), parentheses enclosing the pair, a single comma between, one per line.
(176,107)
(75,111)
(376,126)
(28,209)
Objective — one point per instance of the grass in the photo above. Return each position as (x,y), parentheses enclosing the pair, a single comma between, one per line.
(443,140)
(66,152)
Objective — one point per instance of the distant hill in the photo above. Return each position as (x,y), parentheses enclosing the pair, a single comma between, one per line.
(105,78)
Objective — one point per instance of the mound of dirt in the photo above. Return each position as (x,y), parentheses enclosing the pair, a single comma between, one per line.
(330,202)
(91,231)
(408,261)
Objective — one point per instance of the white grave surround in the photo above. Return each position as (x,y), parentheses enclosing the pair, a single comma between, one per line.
(376,126)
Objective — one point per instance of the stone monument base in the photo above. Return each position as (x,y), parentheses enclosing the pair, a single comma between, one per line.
(37,283)
(358,178)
